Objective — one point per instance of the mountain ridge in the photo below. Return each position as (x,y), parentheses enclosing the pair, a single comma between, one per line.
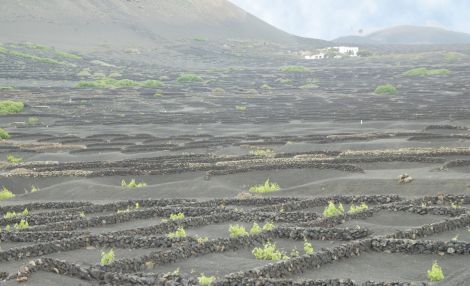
(408,35)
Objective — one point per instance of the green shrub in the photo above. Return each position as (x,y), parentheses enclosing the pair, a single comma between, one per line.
(32,120)
(332,210)
(36,46)
(6,194)
(34,189)
(269,252)
(7,228)
(68,55)
(86,72)
(180,232)
(425,72)
(260,152)
(385,89)
(25,212)
(199,39)
(36,58)
(237,230)
(308,247)
(4,134)
(218,90)
(9,215)
(455,205)
(188,77)
(22,225)
(178,216)
(452,56)
(255,229)
(10,106)
(107,82)
(205,280)
(267,187)
(309,86)
(439,72)
(151,83)
(435,273)
(268,226)
(356,209)
(416,72)
(265,86)
(294,69)
(294,253)
(240,107)
(120,211)
(283,80)
(203,239)
(13,159)
(132,184)
(107,257)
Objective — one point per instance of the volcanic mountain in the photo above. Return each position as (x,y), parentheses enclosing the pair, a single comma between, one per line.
(408,35)
(82,24)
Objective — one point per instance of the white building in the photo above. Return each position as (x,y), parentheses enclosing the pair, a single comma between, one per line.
(315,57)
(351,51)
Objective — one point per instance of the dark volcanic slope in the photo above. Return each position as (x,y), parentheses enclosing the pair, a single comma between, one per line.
(409,35)
(80,24)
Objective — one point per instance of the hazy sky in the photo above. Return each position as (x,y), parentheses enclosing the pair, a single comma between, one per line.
(328,19)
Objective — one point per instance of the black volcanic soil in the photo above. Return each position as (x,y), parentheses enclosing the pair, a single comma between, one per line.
(194,142)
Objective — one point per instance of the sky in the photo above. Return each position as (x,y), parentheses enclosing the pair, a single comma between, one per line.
(329,19)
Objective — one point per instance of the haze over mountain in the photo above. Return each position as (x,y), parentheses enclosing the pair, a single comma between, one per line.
(83,24)
(408,35)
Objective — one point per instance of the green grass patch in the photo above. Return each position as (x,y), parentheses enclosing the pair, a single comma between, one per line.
(199,39)
(108,82)
(189,77)
(265,86)
(36,46)
(452,56)
(14,159)
(260,152)
(385,89)
(267,187)
(283,80)
(309,86)
(4,134)
(10,106)
(33,120)
(439,72)
(293,69)
(36,58)
(426,72)
(68,55)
